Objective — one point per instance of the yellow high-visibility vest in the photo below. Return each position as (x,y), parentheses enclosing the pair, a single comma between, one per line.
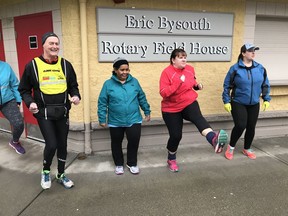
(51,78)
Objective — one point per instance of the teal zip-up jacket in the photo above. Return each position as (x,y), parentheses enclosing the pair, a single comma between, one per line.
(8,84)
(121,103)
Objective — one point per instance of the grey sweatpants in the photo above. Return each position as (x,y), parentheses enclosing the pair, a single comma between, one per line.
(12,113)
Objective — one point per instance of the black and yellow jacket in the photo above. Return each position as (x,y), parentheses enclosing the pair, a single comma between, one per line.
(30,91)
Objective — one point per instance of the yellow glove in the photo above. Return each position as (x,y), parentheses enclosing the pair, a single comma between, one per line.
(228,107)
(265,105)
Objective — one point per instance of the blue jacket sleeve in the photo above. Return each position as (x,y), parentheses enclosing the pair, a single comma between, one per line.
(266,88)
(103,104)
(14,83)
(227,87)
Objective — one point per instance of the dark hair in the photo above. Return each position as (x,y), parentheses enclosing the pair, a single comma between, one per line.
(247,47)
(240,56)
(117,63)
(177,52)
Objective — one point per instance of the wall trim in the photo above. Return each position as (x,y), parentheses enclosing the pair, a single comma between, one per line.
(155,133)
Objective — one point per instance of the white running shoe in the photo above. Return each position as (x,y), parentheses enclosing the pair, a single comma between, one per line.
(119,170)
(66,182)
(133,169)
(45,179)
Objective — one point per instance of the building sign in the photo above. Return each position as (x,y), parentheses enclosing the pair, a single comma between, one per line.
(150,35)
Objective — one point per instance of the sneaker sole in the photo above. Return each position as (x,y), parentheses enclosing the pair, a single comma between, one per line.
(174,171)
(248,156)
(45,188)
(134,173)
(119,173)
(222,141)
(229,158)
(66,187)
(16,149)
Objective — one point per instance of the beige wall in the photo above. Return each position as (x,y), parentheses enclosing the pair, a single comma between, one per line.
(211,74)
(71,46)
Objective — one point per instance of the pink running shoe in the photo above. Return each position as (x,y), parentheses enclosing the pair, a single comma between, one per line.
(229,153)
(249,153)
(172,164)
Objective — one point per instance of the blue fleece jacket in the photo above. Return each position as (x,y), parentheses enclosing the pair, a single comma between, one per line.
(247,84)
(120,102)
(8,84)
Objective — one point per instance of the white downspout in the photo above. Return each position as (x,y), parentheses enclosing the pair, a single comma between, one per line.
(85,71)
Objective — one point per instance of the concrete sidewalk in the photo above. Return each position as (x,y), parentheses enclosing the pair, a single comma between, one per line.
(207,183)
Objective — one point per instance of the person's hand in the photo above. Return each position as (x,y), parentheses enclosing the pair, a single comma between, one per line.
(265,105)
(75,100)
(228,107)
(182,78)
(33,108)
(147,118)
(102,124)
(200,86)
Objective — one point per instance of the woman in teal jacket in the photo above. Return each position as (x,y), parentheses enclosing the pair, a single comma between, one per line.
(10,101)
(119,102)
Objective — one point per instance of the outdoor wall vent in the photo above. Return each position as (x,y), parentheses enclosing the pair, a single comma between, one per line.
(119,1)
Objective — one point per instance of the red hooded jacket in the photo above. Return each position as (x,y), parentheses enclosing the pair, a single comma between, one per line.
(177,94)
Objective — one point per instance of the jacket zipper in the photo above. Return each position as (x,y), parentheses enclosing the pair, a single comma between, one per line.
(250,76)
(0,96)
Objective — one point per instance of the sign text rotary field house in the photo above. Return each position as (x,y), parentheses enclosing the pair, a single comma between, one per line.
(150,35)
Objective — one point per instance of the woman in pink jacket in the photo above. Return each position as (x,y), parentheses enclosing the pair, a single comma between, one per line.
(178,88)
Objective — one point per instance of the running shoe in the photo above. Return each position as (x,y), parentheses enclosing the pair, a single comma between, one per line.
(249,153)
(45,179)
(229,153)
(133,169)
(220,140)
(172,164)
(66,182)
(17,147)
(119,170)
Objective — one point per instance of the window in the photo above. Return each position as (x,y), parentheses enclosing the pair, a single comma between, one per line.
(33,44)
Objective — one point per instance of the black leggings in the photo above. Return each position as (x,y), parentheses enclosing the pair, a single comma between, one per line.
(12,113)
(133,134)
(55,133)
(174,123)
(244,117)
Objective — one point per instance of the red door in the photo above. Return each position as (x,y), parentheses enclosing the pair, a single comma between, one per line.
(2,54)
(29,30)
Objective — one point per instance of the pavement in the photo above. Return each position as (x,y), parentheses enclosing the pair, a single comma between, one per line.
(207,183)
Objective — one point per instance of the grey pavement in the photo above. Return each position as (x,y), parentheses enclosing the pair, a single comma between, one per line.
(207,183)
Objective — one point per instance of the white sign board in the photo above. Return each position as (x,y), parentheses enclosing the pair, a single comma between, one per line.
(150,35)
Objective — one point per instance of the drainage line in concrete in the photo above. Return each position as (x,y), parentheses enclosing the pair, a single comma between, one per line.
(30,203)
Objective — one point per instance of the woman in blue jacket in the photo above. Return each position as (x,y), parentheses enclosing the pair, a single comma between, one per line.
(119,102)
(10,101)
(245,82)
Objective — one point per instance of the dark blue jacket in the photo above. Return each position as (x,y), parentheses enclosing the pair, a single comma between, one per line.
(245,85)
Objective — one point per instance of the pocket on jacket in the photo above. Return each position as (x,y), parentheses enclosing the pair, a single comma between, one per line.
(52,112)
(56,111)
